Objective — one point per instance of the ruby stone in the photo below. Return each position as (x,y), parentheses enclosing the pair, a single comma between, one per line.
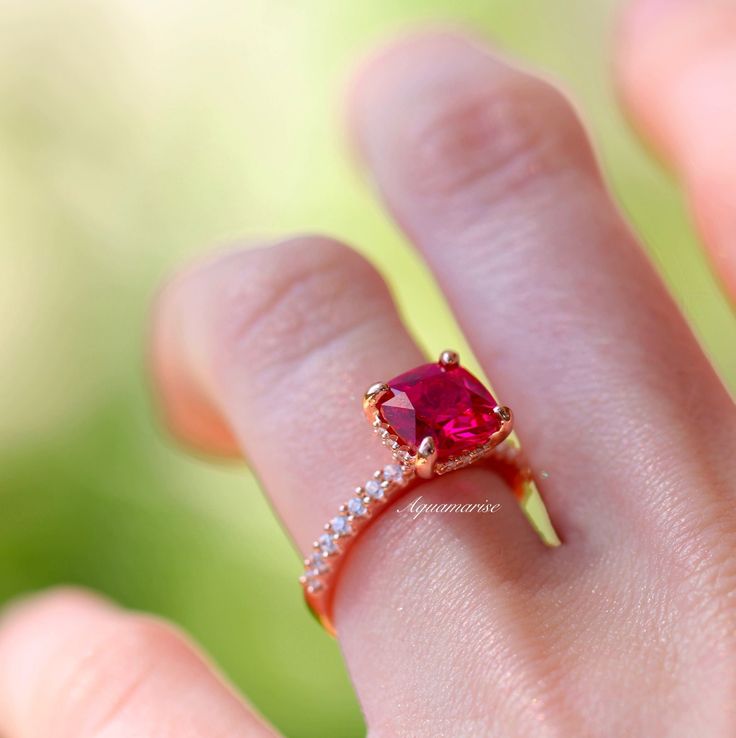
(447,403)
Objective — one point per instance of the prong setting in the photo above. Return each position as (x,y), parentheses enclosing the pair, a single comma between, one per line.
(371,397)
(449,358)
(426,457)
(503,413)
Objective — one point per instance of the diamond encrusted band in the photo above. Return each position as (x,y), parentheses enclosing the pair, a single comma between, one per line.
(434,419)
(353,515)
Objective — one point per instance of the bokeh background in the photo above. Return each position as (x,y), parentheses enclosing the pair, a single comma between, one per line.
(133,135)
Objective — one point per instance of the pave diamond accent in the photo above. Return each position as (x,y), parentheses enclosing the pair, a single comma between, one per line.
(317,561)
(327,544)
(374,489)
(356,507)
(321,564)
(340,525)
(312,583)
(392,472)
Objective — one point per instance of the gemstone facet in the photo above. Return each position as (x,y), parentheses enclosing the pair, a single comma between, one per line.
(446,403)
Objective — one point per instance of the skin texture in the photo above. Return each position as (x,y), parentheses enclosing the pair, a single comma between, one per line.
(629,628)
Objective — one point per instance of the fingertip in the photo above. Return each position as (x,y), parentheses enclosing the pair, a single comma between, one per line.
(31,629)
(402,67)
(184,409)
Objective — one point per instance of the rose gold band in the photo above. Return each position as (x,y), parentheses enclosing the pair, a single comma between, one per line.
(322,567)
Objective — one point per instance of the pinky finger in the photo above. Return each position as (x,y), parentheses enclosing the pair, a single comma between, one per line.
(72,664)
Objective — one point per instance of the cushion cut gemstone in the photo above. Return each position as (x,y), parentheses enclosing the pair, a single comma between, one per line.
(447,403)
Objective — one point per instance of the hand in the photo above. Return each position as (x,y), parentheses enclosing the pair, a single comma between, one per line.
(464,625)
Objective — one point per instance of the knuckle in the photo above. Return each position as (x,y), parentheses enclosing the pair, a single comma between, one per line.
(498,133)
(99,680)
(279,305)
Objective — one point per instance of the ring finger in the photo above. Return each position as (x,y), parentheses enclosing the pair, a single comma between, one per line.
(281,342)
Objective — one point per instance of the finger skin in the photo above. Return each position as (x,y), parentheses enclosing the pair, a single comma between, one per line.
(287,338)
(676,70)
(489,172)
(283,341)
(73,664)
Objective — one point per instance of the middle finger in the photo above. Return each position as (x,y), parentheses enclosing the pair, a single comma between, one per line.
(489,172)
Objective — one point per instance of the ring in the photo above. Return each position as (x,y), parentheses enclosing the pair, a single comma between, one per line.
(435,419)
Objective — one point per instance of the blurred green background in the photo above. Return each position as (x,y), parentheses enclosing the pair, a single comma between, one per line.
(135,134)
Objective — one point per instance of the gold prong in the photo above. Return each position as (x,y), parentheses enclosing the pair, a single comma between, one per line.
(426,457)
(371,397)
(449,358)
(503,413)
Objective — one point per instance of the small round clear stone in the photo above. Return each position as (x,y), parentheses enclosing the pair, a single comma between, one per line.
(392,472)
(356,507)
(340,525)
(327,544)
(374,489)
(318,563)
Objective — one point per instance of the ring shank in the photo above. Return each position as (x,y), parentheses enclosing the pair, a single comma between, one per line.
(320,586)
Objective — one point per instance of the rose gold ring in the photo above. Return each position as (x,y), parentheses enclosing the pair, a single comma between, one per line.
(435,419)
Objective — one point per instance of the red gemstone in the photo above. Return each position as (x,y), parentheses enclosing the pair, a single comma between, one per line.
(448,404)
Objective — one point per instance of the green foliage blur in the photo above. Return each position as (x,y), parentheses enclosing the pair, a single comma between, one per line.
(135,135)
